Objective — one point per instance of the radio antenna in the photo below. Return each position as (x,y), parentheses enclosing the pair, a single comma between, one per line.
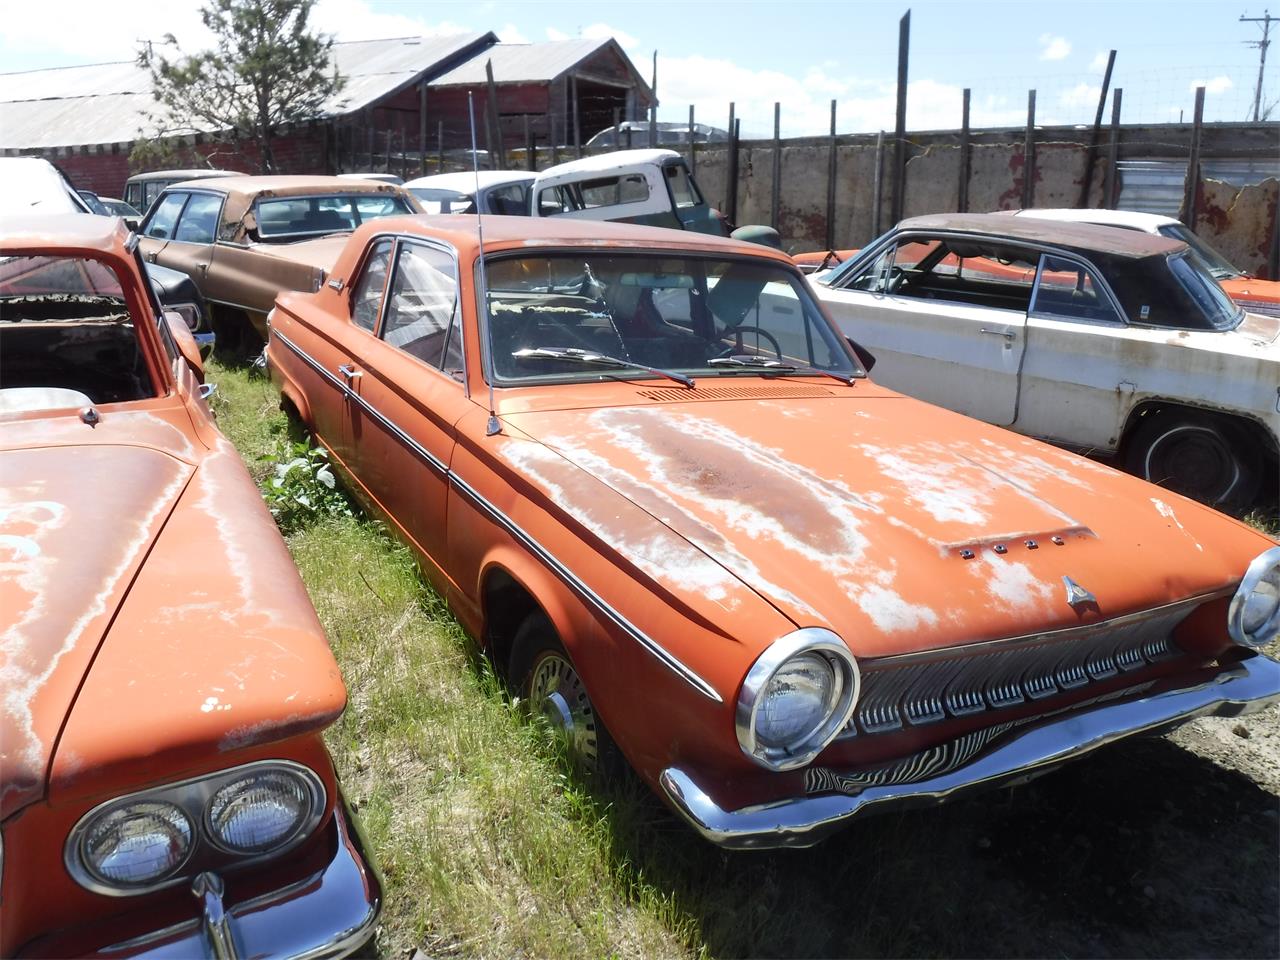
(492,426)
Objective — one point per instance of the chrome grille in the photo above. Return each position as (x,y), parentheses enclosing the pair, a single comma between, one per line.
(923,689)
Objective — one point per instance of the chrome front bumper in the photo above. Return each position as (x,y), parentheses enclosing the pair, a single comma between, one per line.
(329,914)
(1245,687)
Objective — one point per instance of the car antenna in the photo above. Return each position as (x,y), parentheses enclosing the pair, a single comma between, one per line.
(493,425)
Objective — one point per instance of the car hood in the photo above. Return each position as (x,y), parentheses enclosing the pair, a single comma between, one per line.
(1251,293)
(857,512)
(112,604)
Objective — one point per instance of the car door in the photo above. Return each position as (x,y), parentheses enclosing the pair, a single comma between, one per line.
(944,327)
(405,393)
(190,248)
(1079,371)
(159,226)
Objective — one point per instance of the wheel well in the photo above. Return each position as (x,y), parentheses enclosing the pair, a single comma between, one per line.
(505,604)
(1150,408)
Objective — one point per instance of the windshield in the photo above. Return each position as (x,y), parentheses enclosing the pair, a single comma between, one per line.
(295,218)
(1220,310)
(1217,265)
(591,316)
(436,200)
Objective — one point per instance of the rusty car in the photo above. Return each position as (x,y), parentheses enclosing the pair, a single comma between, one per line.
(165,789)
(660,490)
(1109,341)
(142,189)
(244,239)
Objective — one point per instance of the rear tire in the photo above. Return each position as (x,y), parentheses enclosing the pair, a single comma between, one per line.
(551,689)
(1201,456)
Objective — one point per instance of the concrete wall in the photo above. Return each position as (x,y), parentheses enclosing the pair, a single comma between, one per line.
(1242,223)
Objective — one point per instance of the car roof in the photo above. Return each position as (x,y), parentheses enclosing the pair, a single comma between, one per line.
(465,181)
(287,186)
(1084,237)
(1132,219)
(609,161)
(507,233)
(195,174)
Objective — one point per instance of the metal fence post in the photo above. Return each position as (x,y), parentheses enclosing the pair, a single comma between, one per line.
(1113,153)
(1029,155)
(831,183)
(775,194)
(962,198)
(1191,185)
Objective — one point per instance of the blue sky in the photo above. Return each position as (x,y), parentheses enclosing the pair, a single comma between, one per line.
(802,52)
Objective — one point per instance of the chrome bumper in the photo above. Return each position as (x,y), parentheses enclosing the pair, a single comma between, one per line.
(206,342)
(329,914)
(1245,687)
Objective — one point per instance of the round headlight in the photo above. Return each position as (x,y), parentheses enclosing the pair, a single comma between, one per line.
(796,700)
(1253,619)
(261,811)
(797,696)
(136,844)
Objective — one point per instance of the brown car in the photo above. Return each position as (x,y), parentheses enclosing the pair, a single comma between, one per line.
(244,239)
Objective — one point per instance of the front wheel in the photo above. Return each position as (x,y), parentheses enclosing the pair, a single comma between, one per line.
(1198,455)
(554,693)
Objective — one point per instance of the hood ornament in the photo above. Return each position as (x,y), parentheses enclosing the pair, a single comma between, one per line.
(1078,596)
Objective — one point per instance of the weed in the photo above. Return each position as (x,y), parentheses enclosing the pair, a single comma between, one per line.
(303,488)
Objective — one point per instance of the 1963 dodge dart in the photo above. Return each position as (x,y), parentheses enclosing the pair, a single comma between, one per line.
(164,786)
(659,487)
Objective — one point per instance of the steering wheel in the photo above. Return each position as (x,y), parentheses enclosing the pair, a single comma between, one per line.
(736,331)
(897,276)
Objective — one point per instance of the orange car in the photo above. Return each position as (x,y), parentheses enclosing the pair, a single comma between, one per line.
(165,679)
(653,480)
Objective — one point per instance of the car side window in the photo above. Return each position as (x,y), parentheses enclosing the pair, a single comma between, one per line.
(683,192)
(366,300)
(165,218)
(421,302)
(1069,290)
(609,191)
(553,200)
(199,219)
(511,200)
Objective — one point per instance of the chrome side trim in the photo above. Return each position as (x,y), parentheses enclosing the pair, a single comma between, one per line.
(1242,688)
(533,546)
(572,581)
(307,359)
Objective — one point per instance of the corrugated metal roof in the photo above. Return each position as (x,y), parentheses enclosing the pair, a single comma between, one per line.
(1156,186)
(522,62)
(110,102)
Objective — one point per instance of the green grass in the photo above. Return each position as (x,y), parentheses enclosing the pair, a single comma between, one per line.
(490,849)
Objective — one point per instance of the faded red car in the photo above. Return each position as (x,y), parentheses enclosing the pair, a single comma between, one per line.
(656,484)
(164,786)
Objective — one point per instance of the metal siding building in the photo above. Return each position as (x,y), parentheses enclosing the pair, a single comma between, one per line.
(400,95)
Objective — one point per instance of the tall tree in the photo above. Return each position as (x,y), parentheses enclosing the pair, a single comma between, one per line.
(267,69)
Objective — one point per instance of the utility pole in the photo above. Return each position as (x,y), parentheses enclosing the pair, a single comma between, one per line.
(1266,20)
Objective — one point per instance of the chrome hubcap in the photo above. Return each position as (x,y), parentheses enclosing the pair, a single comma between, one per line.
(557,694)
(1194,461)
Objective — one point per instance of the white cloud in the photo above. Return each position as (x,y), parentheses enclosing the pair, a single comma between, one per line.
(1099,62)
(510,34)
(1054,48)
(96,32)
(595,31)
(1081,97)
(554,35)
(356,20)
(1217,85)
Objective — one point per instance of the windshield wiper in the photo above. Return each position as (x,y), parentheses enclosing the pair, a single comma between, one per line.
(777,366)
(574,355)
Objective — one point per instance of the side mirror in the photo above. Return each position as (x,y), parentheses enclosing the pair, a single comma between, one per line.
(865,356)
(185,341)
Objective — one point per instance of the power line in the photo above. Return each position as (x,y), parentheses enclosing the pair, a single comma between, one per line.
(1262,45)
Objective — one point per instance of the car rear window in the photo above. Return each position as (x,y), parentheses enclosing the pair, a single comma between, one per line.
(1218,308)
(295,218)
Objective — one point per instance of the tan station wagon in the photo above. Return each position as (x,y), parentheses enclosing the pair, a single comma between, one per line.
(245,239)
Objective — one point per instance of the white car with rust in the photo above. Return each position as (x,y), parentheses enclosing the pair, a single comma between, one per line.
(1105,340)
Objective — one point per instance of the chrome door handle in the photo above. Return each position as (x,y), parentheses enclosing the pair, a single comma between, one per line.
(349,371)
(151,257)
(1007,334)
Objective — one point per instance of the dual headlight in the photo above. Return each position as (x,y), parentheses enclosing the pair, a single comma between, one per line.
(148,840)
(797,696)
(1253,619)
